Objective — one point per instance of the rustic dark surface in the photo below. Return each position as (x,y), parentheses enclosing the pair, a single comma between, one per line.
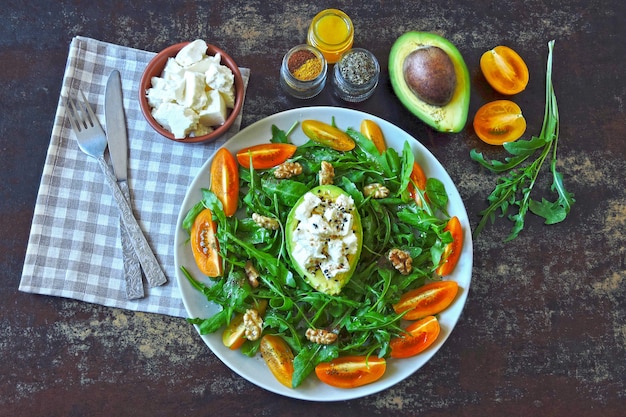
(544,329)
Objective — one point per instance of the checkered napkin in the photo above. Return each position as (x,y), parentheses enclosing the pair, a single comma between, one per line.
(74,248)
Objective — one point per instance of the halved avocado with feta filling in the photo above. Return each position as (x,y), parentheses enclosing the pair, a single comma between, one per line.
(324,238)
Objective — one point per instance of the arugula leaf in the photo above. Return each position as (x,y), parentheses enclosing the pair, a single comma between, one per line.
(308,358)
(191,215)
(408,159)
(280,136)
(437,194)
(514,188)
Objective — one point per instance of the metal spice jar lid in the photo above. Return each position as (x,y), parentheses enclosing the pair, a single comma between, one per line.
(303,71)
(355,76)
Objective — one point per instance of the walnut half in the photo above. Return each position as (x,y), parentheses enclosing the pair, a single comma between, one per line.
(376,190)
(252,274)
(288,170)
(265,222)
(327,173)
(320,336)
(253,323)
(401,260)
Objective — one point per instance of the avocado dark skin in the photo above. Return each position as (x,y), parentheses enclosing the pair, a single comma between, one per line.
(429,76)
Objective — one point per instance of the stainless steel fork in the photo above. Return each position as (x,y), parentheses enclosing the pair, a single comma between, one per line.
(92,141)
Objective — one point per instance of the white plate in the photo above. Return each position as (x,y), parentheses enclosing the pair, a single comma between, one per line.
(254,369)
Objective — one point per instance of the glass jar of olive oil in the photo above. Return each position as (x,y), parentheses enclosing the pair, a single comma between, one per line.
(332,33)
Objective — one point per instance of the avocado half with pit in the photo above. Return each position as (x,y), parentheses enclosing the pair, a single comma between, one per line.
(429,76)
(314,273)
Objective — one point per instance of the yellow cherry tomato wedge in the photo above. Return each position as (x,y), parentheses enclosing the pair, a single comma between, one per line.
(351,371)
(427,300)
(504,70)
(278,357)
(372,131)
(452,251)
(419,336)
(205,246)
(233,334)
(265,155)
(499,121)
(327,135)
(225,180)
(418,177)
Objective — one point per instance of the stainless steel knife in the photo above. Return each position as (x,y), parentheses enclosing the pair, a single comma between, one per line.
(117,139)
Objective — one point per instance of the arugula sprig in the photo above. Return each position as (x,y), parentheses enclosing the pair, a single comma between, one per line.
(514,189)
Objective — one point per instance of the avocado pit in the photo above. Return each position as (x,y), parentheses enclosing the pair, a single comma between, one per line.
(429,73)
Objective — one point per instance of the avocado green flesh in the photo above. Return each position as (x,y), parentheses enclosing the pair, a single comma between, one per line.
(448,118)
(317,279)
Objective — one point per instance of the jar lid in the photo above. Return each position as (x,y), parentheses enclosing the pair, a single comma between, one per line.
(356,75)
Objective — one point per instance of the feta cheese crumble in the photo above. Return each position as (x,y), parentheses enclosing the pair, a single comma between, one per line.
(193,93)
(324,236)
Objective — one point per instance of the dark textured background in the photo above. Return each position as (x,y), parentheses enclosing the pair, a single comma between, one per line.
(543,332)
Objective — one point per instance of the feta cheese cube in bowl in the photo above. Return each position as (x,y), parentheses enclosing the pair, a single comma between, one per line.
(191,92)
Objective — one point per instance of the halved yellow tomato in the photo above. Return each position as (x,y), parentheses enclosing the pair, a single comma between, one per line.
(427,300)
(351,371)
(265,155)
(499,121)
(372,131)
(205,246)
(225,180)
(278,358)
(419,336)
(233,334)
(328,135)
(504,70)
(418,177)
(452,251)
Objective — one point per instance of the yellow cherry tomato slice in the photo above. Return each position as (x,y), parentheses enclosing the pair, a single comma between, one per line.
(427,300)
(266,155)
(205,246)
(351,371)
(233,335)
(225,180)
(418,178)
(452,251)
(327,135)
(372,131)
(504,70)
(499,121)
(419,336)
(278,357)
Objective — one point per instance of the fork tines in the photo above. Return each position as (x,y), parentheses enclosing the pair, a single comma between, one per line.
(80,112)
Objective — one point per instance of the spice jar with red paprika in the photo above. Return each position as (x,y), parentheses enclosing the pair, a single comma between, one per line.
(303,72)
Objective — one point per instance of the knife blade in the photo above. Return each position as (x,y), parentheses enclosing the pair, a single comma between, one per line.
(117,139)
(115,120)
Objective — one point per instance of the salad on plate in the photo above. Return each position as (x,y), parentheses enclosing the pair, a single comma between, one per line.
(331,257)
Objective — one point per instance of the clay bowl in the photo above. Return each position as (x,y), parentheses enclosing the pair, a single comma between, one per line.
(155,68)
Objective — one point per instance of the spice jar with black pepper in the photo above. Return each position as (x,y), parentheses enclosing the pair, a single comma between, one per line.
(355,76)
(303,71)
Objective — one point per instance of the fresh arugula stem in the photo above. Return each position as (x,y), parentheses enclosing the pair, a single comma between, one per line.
(516,186)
